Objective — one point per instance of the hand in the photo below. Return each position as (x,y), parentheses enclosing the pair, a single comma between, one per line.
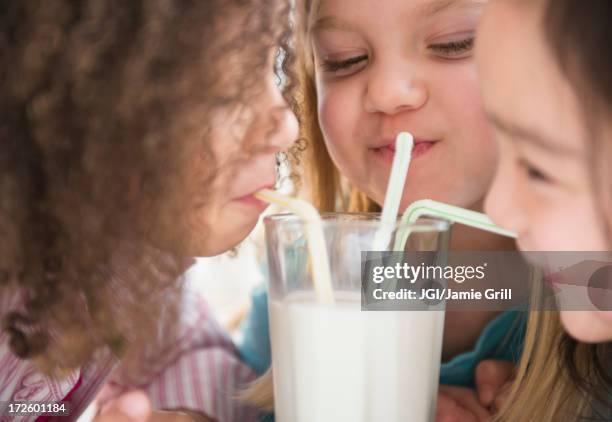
(460,404)
(135,406)
(493,381)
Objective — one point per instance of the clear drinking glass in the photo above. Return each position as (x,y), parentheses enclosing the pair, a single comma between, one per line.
(336,362)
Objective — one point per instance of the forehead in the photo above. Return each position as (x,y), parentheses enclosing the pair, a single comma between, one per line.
(520,79)
(381,11)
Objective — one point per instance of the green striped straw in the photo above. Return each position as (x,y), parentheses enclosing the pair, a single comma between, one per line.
(430,208)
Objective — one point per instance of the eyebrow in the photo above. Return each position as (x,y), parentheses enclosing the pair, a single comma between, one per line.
(532,136)
(331,22)
(438,6)
(426,10)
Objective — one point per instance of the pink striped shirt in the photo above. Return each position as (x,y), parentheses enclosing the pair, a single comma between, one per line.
(200,372)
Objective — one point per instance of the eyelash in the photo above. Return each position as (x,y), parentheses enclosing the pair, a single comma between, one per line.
(448,49)
(453,48)
(533,173)
(337,65)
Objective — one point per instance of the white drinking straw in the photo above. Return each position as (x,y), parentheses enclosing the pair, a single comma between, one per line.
(316,241)
(395,188)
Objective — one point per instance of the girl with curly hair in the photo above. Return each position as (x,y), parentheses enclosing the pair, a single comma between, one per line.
(132,137)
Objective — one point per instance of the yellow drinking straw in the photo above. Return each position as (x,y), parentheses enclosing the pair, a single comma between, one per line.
(314,235)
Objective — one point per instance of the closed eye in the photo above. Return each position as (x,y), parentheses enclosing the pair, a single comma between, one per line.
(335,66)
(453,49)
(533,173)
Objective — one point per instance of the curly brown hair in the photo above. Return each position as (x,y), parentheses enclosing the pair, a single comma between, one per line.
(94,105)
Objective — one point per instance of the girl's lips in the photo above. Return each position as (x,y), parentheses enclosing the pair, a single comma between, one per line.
(387,152)
(252,201)
(421,148)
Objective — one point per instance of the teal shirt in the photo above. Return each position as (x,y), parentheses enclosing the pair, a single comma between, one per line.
(501,339)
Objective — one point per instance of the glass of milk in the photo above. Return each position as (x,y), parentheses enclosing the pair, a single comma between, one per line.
(338,363)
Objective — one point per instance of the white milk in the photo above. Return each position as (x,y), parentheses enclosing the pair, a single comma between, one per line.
(339,364)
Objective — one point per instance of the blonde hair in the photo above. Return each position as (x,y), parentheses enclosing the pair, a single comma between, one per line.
(327,188)
(557,377)
(543,389)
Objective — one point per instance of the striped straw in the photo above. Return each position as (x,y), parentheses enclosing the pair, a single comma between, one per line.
(430,208)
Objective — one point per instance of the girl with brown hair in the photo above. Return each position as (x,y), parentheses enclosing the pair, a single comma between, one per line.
(130,142)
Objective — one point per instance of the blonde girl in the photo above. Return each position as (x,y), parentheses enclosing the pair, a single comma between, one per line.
(370,70)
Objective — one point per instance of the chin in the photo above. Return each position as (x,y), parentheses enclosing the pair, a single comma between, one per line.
(224,237)
(586,326)
(218,243)
(218,232)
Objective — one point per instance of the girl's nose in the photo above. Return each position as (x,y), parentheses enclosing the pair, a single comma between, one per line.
(391,90)
(502,203)
(284,129)
(278,126)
